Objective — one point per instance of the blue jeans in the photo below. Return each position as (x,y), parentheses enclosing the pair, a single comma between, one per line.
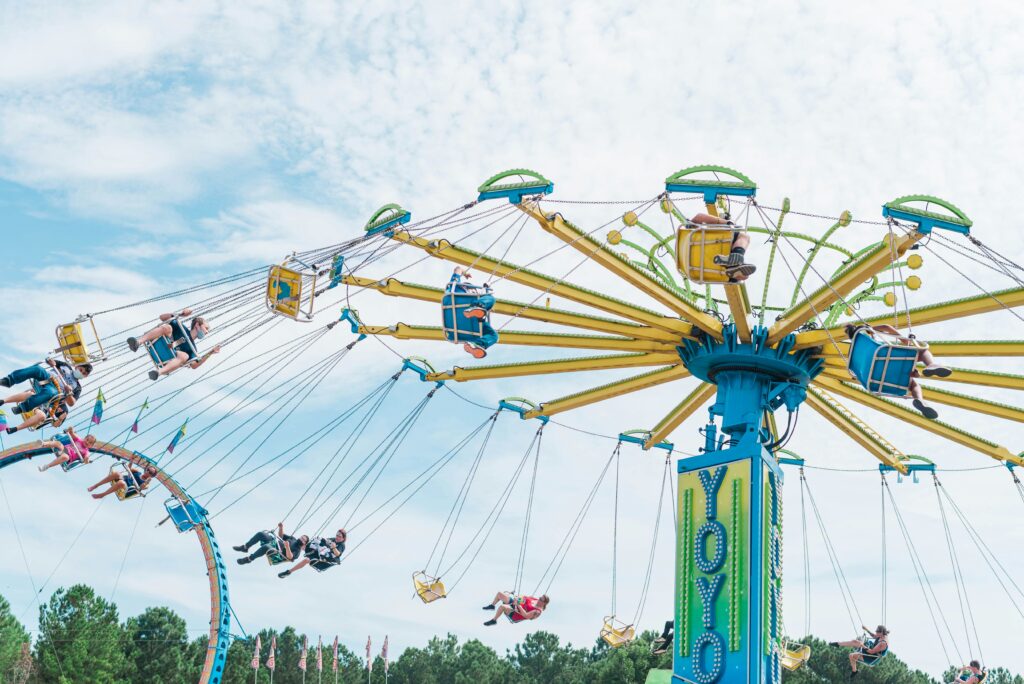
(42,386)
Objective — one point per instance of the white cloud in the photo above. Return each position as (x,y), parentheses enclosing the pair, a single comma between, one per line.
(284,127)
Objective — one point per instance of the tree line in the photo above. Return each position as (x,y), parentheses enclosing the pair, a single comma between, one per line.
(82,640)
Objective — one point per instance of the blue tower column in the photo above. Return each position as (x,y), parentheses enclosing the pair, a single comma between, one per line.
(728,602)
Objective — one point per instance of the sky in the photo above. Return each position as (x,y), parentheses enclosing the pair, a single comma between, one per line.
(147,147)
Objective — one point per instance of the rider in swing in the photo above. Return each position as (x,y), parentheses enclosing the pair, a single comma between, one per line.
(735,267)
(183,342)
(516,608)
(484,302)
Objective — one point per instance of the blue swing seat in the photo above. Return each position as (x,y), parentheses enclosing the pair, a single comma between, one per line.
(883,363)
(458,327)
(163,350)
(69,465)
(186,515)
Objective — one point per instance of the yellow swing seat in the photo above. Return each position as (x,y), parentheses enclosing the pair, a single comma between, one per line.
(696,249)
(617,633)
(285,287)
(131,489)
(794,655)
(428,588)
(72,345)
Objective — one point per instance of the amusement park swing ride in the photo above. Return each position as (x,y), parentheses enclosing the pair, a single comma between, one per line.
(756,363)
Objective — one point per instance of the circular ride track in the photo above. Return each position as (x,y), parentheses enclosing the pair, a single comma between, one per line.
(187,516)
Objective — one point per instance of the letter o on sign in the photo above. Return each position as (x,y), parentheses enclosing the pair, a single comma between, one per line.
(710,566)
(708,670)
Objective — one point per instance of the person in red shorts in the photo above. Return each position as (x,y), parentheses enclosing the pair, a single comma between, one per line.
(516,608)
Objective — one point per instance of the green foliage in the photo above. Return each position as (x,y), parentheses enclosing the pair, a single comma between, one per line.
(12,636)
(832,664)
(80,639)
(156,647)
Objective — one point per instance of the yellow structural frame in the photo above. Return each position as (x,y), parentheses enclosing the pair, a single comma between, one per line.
(933,313)
(967,376)
(683,410)
(402,331)
(954,434)
(396,288)
(600,254)
(443,249)
(834,412)
(870,264)
(613,389)
(572,365)
(841,349)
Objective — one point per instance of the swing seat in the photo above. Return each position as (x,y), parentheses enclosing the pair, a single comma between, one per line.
(459,328)
(696,249)
(275,554)
(321,565)
(72,345)
(69,465)
(794,655)
(616,633)
(285,292)
(186,515)
(428,588)
(883,363)
(165,349)
(131,490)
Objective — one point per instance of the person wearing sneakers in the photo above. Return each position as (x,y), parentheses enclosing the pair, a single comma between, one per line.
(484,302)
(735,267)
(68,448)
(868,650)
(183,341)
(49,380)
(289,546)
(930,370)
(516,608)
(322,553)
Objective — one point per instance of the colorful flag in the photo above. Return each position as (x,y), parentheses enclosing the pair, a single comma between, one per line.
(135,425)
(177,437)
(302,658)
(319,654)
(334,665)
(273,649)
(369,660)
(384,653)
(97,410)
(256,654)
(3,420)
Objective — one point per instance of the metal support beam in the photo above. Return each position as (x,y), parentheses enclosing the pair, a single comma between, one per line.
(991,408)
(933,313)
(573,365)
(837,414)
(442,249)
(402,331)
(396,288)
(600,254)
(944,348)
(613,389)
(873,262)
(967,376)
(962,437)
(683,410)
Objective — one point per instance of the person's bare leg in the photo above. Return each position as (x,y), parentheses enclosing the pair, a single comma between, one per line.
(180,359)
(708,219)
(931,367)
(500,597)
(36,420)
(19,397)
(856,643)
(854,659)
(156,333)
(62,458)
(107,480)
(742,241)
(109,490)
(295,568)
(503,609)
(919,403)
